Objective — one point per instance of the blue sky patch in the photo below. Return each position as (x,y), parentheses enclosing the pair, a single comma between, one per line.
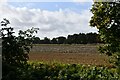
(54,6)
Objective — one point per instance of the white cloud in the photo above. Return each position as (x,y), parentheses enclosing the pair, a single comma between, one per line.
(3,1)
(51,23)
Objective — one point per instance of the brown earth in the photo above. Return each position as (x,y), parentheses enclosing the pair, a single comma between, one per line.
(73,54)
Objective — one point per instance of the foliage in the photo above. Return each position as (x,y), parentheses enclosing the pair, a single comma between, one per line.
(56,71)
(106,17)
(36,40)
(54,41)
(14,49)
(46,41)
(80,38)
(61,40)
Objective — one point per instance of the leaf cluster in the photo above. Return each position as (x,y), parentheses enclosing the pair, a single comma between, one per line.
(15,49)
(55,71)
(106,17)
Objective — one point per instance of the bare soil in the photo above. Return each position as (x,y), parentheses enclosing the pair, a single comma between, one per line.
(72,54)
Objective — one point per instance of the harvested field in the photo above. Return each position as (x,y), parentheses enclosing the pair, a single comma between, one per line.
(81,54)
(66,48)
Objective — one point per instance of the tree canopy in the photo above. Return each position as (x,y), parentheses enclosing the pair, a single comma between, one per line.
(15,49)
(106,17)
(80,38)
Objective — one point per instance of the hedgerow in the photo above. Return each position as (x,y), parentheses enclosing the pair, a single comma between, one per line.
(56,71)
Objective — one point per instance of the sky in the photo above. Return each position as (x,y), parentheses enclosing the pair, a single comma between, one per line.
(53,18)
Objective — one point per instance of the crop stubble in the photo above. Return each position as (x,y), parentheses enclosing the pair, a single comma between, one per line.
(73,54)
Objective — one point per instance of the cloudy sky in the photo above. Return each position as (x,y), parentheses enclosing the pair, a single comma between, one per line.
(55,18)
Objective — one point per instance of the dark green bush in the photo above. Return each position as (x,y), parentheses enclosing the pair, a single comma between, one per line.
(55,71)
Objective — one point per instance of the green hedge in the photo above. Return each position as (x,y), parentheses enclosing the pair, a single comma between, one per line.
(56,71)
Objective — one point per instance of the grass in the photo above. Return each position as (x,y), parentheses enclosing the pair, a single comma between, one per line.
(72,54)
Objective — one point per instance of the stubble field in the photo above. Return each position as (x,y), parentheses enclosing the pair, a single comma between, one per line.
(72,54)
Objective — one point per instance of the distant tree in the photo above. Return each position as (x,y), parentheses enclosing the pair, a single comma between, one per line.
(61,40)
(54,41)
(46,41)
(69,39)
(82,37)
(36,40)
(14,49)
(41,41)
(75,38)
(91,37)
(106,17)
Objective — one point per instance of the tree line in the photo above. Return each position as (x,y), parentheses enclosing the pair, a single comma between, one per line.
(80,38)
